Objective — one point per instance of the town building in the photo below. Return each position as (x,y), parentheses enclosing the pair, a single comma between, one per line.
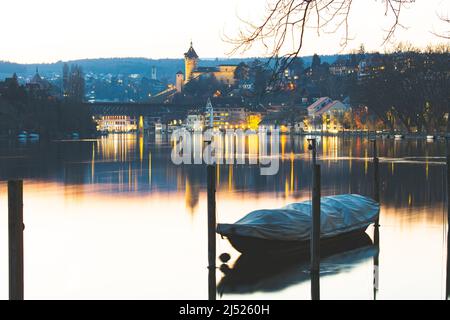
(326,114)
(284,118)
(116,124)
(334,108)
(195,122)
(223,73)
(37,82)
(342,67)
(370,66)
(314,109)
(276,121)
(225,116)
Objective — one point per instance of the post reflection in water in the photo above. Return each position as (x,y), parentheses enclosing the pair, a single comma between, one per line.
(120,201)
(315,286)
(447,285)
(376,261)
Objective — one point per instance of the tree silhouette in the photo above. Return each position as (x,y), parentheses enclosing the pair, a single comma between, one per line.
(444,34)
(411,92)
(73,83)
(291,19)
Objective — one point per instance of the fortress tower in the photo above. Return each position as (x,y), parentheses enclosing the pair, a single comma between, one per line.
(179,81)
(190,63)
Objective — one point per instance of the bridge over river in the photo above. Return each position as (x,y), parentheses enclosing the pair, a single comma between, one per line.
(166,112)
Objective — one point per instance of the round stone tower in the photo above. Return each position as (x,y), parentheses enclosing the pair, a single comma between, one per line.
(179,81)
(190,63)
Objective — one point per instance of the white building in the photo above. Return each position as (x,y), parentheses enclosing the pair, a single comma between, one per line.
(327,115)
(319,104)
(195,122)
(116,124)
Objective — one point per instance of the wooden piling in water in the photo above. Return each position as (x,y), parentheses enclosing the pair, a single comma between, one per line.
(447,287)
(314,151)
(315,286)
(315,235)
(315,221)
(376,261)
(211,185)
(376,173)
(376,197)
(376,177)
(15,239)
(448,185)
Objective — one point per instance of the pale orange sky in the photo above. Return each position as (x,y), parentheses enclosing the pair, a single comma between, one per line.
(52,30)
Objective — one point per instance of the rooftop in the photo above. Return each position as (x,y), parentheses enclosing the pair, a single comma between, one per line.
(191,54)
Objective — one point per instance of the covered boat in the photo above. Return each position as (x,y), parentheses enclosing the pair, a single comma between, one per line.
(288,228)
(251,273)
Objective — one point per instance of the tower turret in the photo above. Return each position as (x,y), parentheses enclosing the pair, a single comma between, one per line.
(190,63)
(179,81)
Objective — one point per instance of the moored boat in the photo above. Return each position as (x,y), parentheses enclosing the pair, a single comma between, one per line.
(33,136)
(22,136)
(75,135)
(288,229)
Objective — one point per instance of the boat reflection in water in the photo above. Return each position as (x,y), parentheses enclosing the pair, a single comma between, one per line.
(253,273)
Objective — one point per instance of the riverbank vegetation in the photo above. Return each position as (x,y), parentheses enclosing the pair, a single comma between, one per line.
(32,109)
(409,92)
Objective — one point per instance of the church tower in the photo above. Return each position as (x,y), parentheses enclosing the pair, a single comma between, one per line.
(210,114)
(190,63)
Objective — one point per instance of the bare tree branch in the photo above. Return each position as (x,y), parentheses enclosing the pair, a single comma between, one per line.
(446,34)
(290,19)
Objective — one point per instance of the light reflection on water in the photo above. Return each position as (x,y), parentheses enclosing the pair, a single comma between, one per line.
(114,218)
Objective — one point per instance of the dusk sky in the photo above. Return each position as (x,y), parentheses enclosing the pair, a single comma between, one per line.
(52,30)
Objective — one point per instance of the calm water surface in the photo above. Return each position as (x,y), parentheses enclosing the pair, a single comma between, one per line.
(114,218)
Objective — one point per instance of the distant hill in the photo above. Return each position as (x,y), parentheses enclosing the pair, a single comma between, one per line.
(10,67)
(166,68)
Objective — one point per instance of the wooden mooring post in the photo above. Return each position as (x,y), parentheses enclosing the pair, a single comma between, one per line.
(376,261)
(315,236)
(447,286)
(376,234)
(376,172)
(211,185)
(376,177)
(315,225)
(15,239)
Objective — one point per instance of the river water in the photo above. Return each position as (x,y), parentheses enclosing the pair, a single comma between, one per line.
(115,218)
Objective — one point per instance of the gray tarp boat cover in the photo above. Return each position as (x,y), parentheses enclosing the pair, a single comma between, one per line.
(339,214)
